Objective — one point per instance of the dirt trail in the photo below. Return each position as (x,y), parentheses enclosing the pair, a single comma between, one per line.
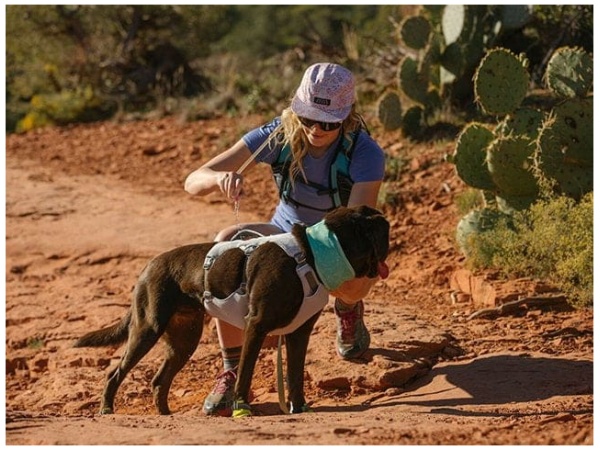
(87,206)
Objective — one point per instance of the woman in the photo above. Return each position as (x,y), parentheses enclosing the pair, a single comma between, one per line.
(304,147)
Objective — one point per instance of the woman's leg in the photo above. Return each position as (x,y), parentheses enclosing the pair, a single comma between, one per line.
(352,338)
(265,229)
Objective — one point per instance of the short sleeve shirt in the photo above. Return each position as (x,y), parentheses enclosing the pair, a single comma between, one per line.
(366,164)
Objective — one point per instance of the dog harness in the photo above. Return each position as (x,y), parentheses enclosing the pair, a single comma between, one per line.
(234,308)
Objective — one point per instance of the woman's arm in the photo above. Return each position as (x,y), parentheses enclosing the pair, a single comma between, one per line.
(364,193)
(220,173)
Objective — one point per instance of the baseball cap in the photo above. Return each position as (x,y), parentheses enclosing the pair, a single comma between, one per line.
(326,93)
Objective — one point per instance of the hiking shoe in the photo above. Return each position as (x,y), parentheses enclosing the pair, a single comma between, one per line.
(353,338)
(220,401)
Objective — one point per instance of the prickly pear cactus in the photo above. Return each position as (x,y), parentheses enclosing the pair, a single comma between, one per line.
(389,111)
(510,162)
(412,121)
(470,156)
(453,59)
(564,150)
(455,22)
(501,82)
(570,72)
(524,121)
(412,82)
(475,222)
(530,154)
(574,128)
(415,31)
(515,16)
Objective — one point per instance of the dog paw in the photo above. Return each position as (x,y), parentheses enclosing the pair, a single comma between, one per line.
(302,409)
(106,410)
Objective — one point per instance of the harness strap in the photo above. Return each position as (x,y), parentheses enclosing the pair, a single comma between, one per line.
(339,168)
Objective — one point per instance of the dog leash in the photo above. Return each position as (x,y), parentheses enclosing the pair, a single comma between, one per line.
(280,383)
(253,156)
(236,204)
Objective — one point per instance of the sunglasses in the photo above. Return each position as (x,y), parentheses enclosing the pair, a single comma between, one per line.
(325,126)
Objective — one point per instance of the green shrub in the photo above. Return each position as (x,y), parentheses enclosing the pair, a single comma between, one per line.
(66,106)
(469,200)
(552,240)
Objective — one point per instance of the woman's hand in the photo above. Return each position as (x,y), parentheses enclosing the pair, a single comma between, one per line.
(230,184)
(220,173)
(355,289)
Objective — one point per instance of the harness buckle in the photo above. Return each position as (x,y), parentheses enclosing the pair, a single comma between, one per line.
(208,262)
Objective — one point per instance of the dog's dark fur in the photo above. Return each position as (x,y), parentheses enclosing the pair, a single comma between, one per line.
(167,303)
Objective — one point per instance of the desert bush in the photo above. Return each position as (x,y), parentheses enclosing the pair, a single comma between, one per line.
(67,106)
(552,240)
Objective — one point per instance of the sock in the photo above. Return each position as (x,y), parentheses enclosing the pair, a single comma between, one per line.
(231,357)
(343,307)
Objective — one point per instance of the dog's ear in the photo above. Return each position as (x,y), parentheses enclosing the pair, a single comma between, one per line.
(377,232)
(363,233)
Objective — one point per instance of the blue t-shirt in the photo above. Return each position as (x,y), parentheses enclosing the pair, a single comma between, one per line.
(367,164)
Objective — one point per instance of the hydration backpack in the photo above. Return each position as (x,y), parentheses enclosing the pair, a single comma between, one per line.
(340,182)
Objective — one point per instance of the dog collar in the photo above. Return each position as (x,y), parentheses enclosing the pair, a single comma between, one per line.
(330,261)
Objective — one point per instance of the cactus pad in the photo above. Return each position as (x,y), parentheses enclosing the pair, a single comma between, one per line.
(564,152)
(453,59)
(473,223)
(501,82)
(470,156)
(454,20)
(570,72)
(389,111)
(572,131)
(510,162)
(411,122)
(415,31)
(412,82)
(524,121)
(515,16)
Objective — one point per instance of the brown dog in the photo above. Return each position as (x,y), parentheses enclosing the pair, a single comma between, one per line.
(169,301)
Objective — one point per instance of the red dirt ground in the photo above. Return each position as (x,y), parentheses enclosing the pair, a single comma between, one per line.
(87,206)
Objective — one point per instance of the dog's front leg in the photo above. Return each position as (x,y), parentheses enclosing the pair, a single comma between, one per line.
(296,345)
(253,340)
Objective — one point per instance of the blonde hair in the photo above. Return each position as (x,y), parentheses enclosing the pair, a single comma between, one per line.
(291,132)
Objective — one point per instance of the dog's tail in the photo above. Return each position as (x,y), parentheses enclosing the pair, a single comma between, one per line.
(113,335)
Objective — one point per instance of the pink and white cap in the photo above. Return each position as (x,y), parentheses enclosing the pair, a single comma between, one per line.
(326,93)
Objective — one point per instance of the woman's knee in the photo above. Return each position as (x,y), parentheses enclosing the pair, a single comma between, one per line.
(226,234)
(263,229)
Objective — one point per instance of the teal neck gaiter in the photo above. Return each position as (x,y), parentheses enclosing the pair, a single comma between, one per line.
(330,261)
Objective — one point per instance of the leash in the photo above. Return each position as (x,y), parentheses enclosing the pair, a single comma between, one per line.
(236,204)
(280,383)
(253,156)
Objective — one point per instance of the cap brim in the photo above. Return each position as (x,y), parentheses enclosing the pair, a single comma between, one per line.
(313,113)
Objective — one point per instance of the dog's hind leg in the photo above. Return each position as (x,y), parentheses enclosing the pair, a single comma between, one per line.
(296,344)
(140,341)
(181,338)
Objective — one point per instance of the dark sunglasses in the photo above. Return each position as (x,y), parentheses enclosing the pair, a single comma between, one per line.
(325,126)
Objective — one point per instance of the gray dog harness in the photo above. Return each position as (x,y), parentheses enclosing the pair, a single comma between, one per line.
(234,308)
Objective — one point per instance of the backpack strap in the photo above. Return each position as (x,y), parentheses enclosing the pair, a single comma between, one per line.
(340,182)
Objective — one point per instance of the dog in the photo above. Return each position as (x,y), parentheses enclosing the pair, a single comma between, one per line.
(177,288)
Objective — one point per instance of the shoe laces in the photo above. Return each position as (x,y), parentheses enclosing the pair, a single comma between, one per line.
(225,382)
(348,320)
